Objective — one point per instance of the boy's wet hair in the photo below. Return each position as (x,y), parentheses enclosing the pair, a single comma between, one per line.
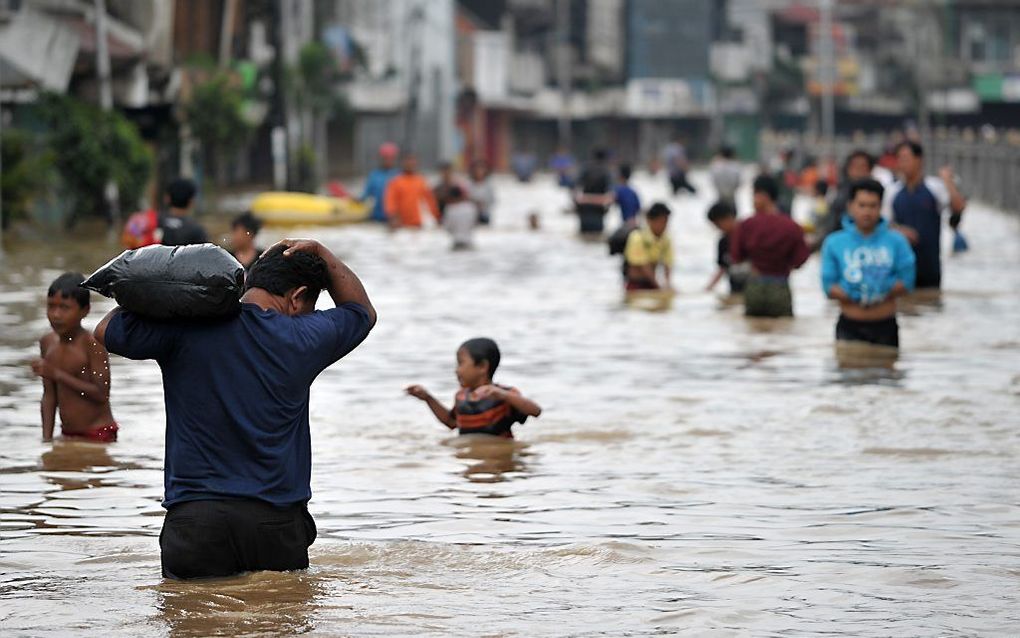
(766,184)
(727,152)
(625,171)
(720,211)
(868,186)
(69,285)
(482,349)
(456,192)
(277,274)
(821,187)
(180,192)
(249,222)
(657,211)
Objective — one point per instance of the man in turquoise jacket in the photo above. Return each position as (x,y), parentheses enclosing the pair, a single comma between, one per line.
(379,179)
(865,267)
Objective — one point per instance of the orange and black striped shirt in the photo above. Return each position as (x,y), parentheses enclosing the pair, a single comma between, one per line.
(485,416)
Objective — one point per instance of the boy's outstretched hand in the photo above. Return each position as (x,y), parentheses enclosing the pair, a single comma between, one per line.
(418,392)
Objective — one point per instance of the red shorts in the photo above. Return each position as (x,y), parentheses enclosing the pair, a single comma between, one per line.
(105,434)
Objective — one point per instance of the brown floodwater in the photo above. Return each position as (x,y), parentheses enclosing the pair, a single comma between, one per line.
(693,471)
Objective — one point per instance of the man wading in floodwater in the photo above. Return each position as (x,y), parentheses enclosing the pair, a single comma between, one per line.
(238,451)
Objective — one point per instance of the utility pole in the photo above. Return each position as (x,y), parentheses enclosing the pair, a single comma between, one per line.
(1,199)
(826,68)
(415,26)
(111,193)
(227,32)
(563,69)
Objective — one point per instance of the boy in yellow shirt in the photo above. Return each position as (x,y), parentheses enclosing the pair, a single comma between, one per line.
(649,250)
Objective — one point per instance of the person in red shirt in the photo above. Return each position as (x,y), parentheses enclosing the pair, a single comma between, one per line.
(405,194)
(774,245)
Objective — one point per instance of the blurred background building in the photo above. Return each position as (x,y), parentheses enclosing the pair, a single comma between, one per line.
(317,85)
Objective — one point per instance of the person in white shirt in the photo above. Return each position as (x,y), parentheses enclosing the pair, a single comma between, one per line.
(460,218)
(726,175)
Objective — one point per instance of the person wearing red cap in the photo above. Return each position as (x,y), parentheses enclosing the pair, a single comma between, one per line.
(405,194)
(379,178)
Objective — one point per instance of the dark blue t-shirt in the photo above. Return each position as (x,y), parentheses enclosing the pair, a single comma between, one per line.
(921,210)
(236,396)
(627,200)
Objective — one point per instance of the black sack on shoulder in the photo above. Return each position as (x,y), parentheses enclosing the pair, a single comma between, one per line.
(199,281)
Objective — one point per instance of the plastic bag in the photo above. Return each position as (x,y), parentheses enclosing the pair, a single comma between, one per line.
(199,281)
(959,242)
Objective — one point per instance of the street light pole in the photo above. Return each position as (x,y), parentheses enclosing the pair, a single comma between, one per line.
(826,64)
(111,194)
(563,69)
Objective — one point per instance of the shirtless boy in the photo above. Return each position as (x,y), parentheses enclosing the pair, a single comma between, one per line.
(74,368)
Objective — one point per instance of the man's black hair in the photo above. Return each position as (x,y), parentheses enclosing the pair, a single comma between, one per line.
(657,210)
(766,184)
(720,211)
(456,192)
(868,186)
(482,349)
(727,152)
(600,154)
(180,191)
(915,148)
(69,285)
(821,187)
(249,222)
(625,171)
(277,274)
(860,152)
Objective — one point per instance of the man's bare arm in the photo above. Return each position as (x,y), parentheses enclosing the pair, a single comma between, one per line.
(344,285)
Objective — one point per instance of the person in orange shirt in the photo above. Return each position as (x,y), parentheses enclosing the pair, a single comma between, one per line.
(405,194)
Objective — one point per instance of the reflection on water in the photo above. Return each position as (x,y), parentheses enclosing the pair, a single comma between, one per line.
(857,355)
(76,465)
(264,603)
(497,459)
(650,300)
(694,471)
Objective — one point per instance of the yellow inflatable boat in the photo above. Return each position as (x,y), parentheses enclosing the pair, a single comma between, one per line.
(300,209)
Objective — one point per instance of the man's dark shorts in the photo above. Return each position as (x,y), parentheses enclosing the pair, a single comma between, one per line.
(766,296)
(884,332)
(209,539)
(592,218)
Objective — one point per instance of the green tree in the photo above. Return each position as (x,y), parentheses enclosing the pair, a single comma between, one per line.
(313,88)
(215,114)
(93,147)
(27,172)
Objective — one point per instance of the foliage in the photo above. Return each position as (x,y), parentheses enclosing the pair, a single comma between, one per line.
(27,171)
(215,113)
(313,81)
(305,181)
(93,147)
